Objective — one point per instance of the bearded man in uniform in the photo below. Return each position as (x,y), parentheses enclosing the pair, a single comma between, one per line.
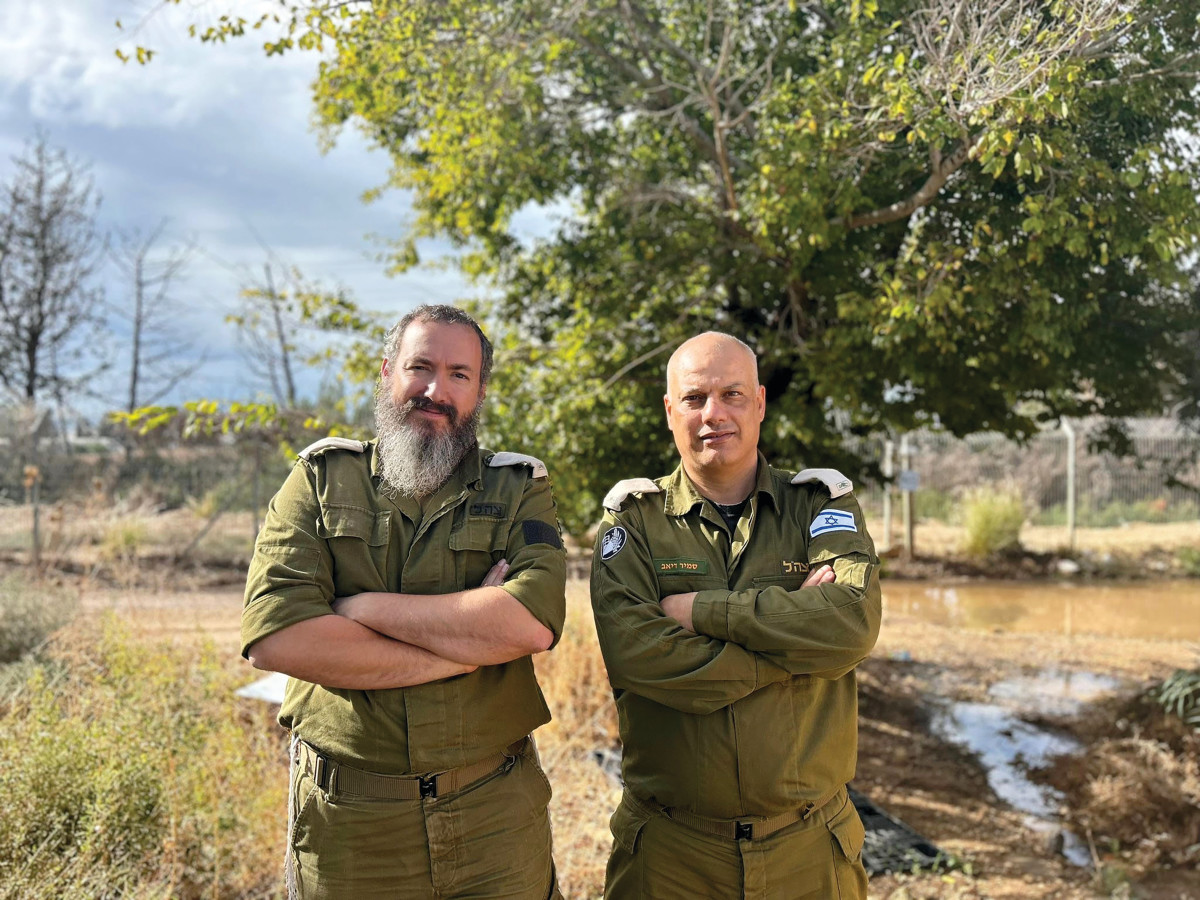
(403,584)
(733,602)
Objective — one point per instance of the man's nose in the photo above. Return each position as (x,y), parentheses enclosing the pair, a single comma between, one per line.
(435,389)
(714,410)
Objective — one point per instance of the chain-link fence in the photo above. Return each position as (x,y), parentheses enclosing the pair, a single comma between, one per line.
(1063,479)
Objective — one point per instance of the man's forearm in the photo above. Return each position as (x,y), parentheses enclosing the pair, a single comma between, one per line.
(335,652)
(482,626)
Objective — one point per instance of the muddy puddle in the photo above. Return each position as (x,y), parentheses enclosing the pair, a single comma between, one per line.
(1165,610)
(1009,748)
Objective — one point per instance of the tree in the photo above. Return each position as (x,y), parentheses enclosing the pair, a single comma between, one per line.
(50,248)
(916,211)
(159,358)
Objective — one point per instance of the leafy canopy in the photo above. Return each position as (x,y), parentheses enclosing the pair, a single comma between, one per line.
(916,211)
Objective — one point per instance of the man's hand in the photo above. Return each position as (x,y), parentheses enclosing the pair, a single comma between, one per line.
(495,575)
(679,608)
(819,576)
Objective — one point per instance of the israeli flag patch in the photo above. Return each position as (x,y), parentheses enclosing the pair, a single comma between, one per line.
(832,520)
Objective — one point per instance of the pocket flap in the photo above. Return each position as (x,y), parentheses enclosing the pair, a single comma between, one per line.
(847,827)
(480,534)
(351,521)
(627,823)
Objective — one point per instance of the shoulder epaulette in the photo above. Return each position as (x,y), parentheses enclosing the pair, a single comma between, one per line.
(622,489)
(837,483)
(332,443)
(504,458)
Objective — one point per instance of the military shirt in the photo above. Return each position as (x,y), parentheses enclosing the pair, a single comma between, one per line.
(756,713)
(331,531)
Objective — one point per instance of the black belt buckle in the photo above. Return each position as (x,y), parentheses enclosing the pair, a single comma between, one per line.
(743,831)
(321,772)
(428,786)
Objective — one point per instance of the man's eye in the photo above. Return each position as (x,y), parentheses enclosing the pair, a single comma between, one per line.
(462,375)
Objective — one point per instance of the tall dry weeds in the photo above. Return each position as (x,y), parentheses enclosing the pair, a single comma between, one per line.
(576,686)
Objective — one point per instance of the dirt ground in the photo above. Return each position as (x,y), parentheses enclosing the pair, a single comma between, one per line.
(935,787)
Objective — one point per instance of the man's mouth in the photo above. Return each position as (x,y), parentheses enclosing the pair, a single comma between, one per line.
(716,437)
(431,410)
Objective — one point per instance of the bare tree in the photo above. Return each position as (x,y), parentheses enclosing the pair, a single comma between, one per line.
(159,357)
(268,325)
(50,247)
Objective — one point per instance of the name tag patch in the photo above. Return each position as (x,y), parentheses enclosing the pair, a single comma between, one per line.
(832,520)
(491,510)
(681,566)
(612,542)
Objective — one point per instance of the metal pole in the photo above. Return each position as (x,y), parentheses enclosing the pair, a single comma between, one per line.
(1066,426)
(906,499)
(889,450)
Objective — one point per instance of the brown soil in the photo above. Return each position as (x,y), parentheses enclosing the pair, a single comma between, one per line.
(938,789)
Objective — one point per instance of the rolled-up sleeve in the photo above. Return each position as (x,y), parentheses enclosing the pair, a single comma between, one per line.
(537,574)
(291,576)
(823,631)
(649,653)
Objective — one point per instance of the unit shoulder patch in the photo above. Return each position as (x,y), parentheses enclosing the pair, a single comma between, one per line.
(504,458)
(332,443)
(620,491)
(837,483)
(612,542)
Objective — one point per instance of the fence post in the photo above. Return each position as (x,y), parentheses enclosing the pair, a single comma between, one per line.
(1070,431)
(33,477)
(889,449)
(906,498)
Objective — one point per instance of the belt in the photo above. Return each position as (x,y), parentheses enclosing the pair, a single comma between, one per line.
(336,777)
(751,830)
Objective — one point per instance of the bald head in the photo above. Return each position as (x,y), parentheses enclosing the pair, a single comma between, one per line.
(714,407)
(706,348)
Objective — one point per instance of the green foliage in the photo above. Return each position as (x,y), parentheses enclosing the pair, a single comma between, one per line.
(1120,512)
(127,773)
(30,611)
(122,538)
(932,503)
(984,227)
(1179,695)
(992,520)
(1189,561)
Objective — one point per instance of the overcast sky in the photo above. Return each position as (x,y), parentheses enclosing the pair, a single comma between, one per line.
(217,140)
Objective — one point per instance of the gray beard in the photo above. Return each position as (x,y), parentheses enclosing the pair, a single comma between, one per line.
(414,461)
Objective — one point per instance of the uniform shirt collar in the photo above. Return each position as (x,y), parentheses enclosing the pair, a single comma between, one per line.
(682,496)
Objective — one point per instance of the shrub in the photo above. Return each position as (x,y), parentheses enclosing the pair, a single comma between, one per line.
(123,538)
(992,518)
(129,770)
(29,612)
(1179,695)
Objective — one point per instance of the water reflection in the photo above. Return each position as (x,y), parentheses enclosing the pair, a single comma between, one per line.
(1149,609)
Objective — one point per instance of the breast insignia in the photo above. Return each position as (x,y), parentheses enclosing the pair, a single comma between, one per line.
(837,483)
(622,489)
(332,443)
(504,458)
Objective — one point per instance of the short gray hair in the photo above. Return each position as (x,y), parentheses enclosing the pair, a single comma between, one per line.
(446,315)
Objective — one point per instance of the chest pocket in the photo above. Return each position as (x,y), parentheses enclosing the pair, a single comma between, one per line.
(358,539)
(478,543)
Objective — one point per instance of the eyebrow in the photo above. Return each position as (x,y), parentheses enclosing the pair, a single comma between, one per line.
(457,367)
(696,389)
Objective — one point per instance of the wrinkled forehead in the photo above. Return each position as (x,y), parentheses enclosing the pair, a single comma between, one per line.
(711,360)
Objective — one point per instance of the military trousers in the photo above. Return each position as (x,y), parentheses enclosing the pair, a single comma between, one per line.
(655,858)
(489,840)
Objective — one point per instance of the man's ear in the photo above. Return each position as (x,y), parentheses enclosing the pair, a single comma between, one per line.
(384,370)
(667,408)
(761,397)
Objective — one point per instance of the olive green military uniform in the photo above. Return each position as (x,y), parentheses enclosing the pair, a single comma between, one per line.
(331,531)
(738,739)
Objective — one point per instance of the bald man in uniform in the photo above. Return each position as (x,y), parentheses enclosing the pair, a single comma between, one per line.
(733,602)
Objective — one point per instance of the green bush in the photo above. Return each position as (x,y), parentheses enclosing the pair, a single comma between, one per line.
(29,612)
(1179,695)
(131,770)
(992,519)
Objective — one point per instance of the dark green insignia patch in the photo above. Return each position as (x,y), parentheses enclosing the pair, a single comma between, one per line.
(492,510)
(539,532)
(681,566)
